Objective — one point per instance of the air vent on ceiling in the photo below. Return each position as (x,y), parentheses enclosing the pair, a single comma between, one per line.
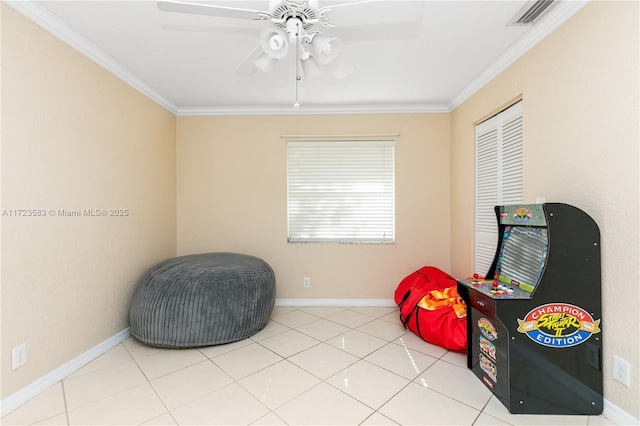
(531,11)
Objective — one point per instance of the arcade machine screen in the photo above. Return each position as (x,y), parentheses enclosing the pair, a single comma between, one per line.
(522,257)
(519,264)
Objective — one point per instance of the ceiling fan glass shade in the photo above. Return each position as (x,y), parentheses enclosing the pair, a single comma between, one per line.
(274,42)
(310,68)
(265,63)
(327,48)
(341,67)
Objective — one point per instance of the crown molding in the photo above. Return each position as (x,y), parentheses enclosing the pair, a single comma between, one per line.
(315,110)
(564,10)
(41,16)
(51,23)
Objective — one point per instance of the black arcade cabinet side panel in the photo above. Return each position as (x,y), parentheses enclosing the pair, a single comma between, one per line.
(555,361)
(538,346)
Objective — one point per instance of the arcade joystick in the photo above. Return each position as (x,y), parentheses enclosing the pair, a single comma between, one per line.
(495,283)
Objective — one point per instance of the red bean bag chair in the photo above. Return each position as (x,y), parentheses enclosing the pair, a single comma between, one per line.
(431,307)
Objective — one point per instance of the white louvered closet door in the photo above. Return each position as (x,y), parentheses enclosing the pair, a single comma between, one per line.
(498,178)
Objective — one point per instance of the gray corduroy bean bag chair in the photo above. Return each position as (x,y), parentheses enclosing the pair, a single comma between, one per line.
(202,299)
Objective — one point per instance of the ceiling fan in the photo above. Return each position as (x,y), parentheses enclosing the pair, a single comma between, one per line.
(294,22)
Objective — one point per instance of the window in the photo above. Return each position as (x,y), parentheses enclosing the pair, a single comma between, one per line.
(498,177)
(341,192)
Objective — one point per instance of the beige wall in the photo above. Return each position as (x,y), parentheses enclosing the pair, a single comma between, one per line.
(75,137)
(580,107)
(232,196)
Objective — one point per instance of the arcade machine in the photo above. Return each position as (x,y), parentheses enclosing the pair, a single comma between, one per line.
(533,326)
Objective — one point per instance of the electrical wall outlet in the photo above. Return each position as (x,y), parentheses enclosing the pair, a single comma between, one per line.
(621,370)
(18,356)
(306,282)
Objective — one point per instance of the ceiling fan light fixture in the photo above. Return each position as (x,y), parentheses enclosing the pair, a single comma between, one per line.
(327,48)
(310,68)
(341,67)
(265,63)
(274,43)
(294,28)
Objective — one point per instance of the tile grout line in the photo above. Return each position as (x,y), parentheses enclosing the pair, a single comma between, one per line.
(155,391)
(66,406)
(360,358)
(148,381)
(104,397)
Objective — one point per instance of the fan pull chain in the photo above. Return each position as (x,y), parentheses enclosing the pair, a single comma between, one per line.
(296,105)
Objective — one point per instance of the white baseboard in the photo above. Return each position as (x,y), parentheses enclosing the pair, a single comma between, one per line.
(617,415)
(335,302)
(45,382)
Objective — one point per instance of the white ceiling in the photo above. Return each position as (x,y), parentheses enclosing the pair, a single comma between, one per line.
(430,63)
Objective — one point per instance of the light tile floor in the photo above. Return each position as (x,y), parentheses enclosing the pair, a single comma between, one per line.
(308,366)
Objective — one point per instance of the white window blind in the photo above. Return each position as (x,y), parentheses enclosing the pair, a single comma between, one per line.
(341,192)
(498,177)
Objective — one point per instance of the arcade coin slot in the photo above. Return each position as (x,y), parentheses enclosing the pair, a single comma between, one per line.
(482,302)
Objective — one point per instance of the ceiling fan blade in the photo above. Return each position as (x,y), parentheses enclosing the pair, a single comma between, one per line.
(371,12)
(211,10)
(247,67)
